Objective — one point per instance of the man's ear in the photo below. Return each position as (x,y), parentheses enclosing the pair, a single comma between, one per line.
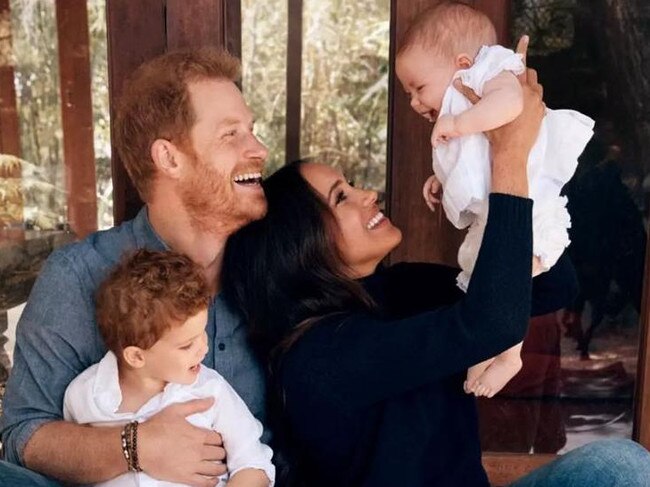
(134,356)
(165,157)
(463,61)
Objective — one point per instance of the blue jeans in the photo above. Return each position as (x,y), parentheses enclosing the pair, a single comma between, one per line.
(14,476)
(606,463)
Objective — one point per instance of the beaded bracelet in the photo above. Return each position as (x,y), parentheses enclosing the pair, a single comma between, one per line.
(129,437)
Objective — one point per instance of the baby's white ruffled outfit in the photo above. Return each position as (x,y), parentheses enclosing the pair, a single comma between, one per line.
(463,167)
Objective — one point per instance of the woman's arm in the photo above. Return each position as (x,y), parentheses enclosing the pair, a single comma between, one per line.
(555,289)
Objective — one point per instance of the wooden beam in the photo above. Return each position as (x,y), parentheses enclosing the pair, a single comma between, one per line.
(195,23)
(641,429)
(77,115)
(232,27)
(294,80)
(427,237)
(136,33)
(9,125)
(503,468)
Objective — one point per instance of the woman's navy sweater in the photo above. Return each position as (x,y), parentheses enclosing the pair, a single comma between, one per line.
(376,399)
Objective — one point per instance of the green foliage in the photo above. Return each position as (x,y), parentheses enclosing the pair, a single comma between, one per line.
(264,54)
(345,87)
(37,92)
(35,50)
(344,82)
(101,117)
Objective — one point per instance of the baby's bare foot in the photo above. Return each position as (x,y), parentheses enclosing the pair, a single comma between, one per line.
(496,376)
(473,373)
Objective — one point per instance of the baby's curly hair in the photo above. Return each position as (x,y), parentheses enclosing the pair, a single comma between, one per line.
(145,295)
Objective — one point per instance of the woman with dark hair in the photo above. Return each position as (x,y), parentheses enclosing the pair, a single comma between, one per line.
(367,363)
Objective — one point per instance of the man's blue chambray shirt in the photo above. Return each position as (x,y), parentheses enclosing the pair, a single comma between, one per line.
(57,336)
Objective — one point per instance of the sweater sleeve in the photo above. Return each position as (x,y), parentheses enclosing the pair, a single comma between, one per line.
(357,360)
(555,289)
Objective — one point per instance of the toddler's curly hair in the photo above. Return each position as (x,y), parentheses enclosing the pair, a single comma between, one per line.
(145,295)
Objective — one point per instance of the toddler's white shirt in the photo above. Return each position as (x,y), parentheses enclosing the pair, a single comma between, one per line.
(94,397)
(463,166)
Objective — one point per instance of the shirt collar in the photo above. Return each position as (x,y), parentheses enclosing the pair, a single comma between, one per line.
(108,394)
(145,235)
(107,384)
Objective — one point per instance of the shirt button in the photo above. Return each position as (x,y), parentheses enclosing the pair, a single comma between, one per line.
(222,346)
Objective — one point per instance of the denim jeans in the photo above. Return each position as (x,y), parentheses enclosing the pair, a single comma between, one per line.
(607,463)
(14,476)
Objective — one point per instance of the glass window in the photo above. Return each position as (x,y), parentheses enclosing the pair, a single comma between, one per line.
(101,119)
(36,71)
(580,364)
(344,93)
(33,196)
(264,59)
(345,87)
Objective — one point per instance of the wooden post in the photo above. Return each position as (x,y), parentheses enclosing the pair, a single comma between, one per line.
(427,237)
(294,80)
(641,432)
(136,32)
(9,126)
(77,115)
(10,164)
(195,23)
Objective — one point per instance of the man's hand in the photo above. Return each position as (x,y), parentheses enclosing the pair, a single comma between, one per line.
(431,192)
(444,129)
(170,448)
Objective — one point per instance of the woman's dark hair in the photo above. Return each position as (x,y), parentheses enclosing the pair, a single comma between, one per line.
(284,272)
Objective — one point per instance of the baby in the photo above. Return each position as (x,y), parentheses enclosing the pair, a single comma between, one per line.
(152,311)
(454,41)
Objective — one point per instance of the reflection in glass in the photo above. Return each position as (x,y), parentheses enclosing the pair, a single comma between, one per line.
(39,111)
(38,178)
(580,364)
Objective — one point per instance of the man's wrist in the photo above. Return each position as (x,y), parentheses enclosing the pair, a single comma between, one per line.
(129,438)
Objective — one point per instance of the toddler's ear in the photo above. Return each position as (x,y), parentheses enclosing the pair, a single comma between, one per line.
(463,61)
(133,356)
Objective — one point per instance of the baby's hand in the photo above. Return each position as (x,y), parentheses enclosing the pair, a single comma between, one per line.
(444,129)
(431,192)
